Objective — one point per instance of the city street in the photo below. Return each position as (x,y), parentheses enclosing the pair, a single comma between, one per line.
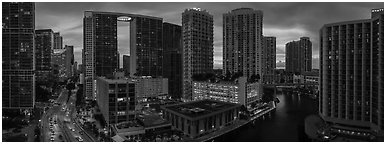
(52,113)
(59,120)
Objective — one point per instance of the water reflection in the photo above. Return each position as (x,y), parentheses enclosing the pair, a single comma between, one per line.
(285,124)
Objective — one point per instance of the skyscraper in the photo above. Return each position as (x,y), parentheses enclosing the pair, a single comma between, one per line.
(69,60)
(352,76)
(58,62)
(197,43)
(44,44)
(172,58)
(75,68)
(268,59)
(298,56)
(58,41)
(18,55)
(242,29)
(101,49)
(126,64)
(146,46)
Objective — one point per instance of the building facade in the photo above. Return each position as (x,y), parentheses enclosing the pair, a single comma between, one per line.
(242,33)
(172,58)
(351,75)
(199,118)
(240,92)
(100,52)
(298,56)
(44,43)
(59,63)
(18,55)
(116,99)
(126,64)
(58,41)
(146,46)
(197,43)
(75,68)
(268,59)
(69,60)
(148,88)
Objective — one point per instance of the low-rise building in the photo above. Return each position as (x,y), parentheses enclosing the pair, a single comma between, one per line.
(148,88)
(198,118)
(116,99)
(239,91)
(307,78)
(281,76)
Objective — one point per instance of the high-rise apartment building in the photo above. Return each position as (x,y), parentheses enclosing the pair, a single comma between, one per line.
(197,43)
(146,46)
(58,41)
(352,76)
(18,55)
(298,56)
(100,52)
(242,33)
(44,44)
(268,59)
(172,58)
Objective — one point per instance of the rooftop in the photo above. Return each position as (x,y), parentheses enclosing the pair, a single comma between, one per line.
(200,108)
(116,80)
(153,120)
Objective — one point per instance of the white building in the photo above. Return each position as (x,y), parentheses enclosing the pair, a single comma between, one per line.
(239,91)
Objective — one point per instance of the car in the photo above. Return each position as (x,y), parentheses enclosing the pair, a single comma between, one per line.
(52,139)
(79,139)
(73,130)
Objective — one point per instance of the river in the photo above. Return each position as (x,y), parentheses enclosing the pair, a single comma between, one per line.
(286,124)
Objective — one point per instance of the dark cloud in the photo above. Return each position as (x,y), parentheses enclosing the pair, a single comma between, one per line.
(285,21)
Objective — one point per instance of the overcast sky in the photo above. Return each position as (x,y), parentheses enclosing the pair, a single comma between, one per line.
(285,21)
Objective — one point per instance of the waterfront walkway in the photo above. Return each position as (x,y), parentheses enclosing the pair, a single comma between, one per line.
(220,132)
(234,126)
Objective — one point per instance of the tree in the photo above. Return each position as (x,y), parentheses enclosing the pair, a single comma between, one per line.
(254,78)
(70,86)
(42,95)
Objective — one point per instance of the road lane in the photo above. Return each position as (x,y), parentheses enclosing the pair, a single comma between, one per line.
(46,132)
